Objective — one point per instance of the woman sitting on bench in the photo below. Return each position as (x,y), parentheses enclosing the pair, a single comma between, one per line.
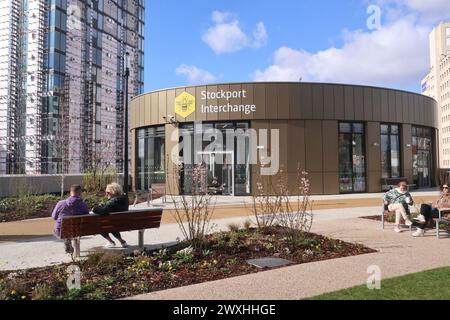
(430,211)
(398,200)
(117,202)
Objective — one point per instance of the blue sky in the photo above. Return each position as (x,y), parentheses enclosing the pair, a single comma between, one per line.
(211,41)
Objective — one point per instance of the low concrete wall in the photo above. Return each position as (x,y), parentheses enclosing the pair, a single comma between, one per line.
(14,185)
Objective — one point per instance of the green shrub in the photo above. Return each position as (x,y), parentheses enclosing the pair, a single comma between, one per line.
(15,289)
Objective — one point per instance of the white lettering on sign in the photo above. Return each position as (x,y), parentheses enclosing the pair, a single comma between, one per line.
(224,95)
(226,108)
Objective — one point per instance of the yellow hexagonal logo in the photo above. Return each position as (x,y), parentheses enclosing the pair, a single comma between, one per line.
(185,105)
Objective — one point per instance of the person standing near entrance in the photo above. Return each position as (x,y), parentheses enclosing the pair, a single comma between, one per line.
(72,206)
(398,200)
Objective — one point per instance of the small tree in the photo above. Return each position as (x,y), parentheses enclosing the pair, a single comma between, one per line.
(193,213)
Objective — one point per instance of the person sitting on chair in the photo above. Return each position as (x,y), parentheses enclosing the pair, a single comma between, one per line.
(430,211)
(398,200)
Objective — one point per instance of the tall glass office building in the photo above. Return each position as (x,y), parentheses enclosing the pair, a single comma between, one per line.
(62,83)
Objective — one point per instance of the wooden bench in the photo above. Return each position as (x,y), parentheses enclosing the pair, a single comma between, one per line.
(76,227)
(390,183)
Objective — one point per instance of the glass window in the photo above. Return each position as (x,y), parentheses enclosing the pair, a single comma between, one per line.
(390,151)
(352,158)
(422,149)
(151,167)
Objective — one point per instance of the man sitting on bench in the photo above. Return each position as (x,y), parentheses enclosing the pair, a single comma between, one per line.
(398,200)
(430,211)
(117,202)
(72,206)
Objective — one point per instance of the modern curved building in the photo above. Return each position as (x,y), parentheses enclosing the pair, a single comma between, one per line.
(348,138)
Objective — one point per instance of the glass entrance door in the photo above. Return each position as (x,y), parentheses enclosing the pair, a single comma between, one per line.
(220,172)
(423,166)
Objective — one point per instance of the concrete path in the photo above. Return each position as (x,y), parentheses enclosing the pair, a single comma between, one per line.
(399,254)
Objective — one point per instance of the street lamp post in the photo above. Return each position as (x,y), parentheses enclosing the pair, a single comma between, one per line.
(125,164)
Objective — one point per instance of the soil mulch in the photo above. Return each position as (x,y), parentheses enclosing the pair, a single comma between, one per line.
(111,275)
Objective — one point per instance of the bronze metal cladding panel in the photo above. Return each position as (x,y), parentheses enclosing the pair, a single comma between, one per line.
(328,97)
(398,107)
(330,146)
(282,126)
(162,105)
(410,108)
(199,115)
(134,105)
(405,108)
(374,181)
(314,145)
(331,183)
(141,114)
(295,102)
(191,118)
(316,180)
(421,111)
(258,125)
(339,108)
(283,101)
(248,100)
(376,94)
(222,102)
(349,100)
(271,102)
(373,152)
(391,105)
(428,112)
(170,107)
(368,104)
(171,145)
(260,100)
(318,101)
(178,91)
(407,160)
(154,114)
(214,102)
(296,145)
(384,105)
(306,101)
(359,103)
(148,109)
(373,157)
(236,101)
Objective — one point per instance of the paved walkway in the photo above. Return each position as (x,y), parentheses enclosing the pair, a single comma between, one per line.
(24,253)
(399,254)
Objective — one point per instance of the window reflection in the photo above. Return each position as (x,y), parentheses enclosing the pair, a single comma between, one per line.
(352,159)
(390,151)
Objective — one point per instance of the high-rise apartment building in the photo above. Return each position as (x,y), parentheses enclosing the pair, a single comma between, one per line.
(437,85)
(62,82)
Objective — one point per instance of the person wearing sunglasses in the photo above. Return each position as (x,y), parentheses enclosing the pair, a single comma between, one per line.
(430,211)
(117,202)
(398,200)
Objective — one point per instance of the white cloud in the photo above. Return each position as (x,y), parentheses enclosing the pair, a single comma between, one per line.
(227,36)
(195,75)
(260,35)
(396,55)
